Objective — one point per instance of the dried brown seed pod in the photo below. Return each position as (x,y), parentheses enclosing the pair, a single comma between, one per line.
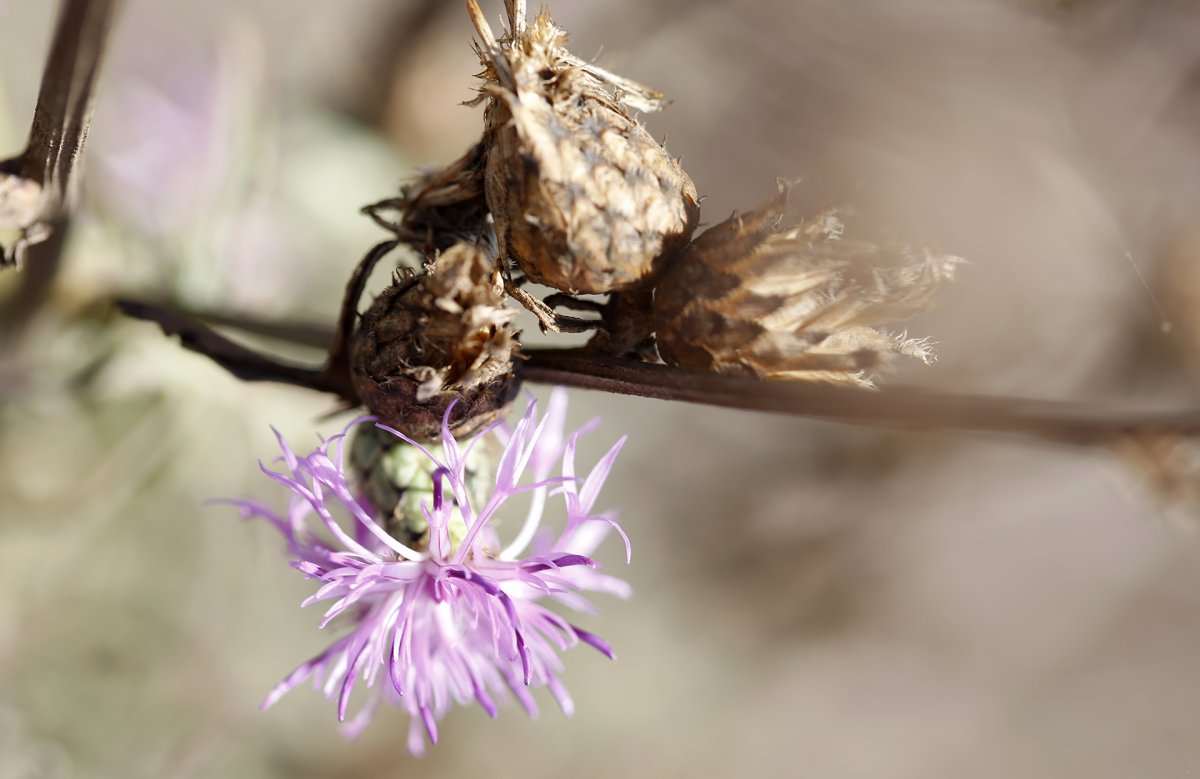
(441,207)
(583,198)
(754,296)
(438,337)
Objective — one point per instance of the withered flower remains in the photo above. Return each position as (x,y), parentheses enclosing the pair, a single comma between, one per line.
(439,337)
(583,198)
(441,207)
(757,296)
(566,188)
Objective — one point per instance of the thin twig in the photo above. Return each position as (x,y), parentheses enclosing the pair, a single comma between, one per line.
(311,334)
(37,188)
(1064,422)
(244,363)
(549,320)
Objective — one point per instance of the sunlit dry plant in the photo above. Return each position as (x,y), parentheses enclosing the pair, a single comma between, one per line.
(566,188)
(759,296)
(583,198)
(433,600)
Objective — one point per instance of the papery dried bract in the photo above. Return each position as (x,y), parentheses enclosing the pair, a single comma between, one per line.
(756,296)
(441,207)
(439,337)
(583,198)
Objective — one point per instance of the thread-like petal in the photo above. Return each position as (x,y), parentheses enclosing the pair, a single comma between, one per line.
(448,620)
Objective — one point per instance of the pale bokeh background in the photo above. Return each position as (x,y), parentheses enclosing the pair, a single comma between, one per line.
(811,599)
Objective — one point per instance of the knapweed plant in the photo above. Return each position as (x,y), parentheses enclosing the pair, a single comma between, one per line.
(438,590)
(567,189)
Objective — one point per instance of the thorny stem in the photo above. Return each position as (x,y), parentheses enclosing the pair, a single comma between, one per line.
(60,127)
(927,410)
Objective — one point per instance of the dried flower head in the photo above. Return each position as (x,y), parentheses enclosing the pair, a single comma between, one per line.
(460,616)
(441,207)
(583,198)
(438,338)
(756,296)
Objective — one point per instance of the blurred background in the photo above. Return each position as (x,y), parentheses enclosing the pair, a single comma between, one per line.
(810,599)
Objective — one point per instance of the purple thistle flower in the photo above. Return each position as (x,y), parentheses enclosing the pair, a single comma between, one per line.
(462,616)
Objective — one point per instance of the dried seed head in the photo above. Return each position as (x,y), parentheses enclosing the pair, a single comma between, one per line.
(441,207)
(583,198)
(753,297)
(442,336)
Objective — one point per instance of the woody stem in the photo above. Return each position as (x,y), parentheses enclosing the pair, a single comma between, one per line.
(1070,423)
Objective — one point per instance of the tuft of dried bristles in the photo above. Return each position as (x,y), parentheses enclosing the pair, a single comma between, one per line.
(583,199)
(441,207)
(438,337)
(756,296)
(566,186)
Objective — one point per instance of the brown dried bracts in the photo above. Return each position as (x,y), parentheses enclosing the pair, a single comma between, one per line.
(437,337)
(583,199)
(757,296)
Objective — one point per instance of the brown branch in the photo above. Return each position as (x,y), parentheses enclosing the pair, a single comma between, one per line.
(244,363)
(37,188)
(311,334)
(914,409)
(1071,423)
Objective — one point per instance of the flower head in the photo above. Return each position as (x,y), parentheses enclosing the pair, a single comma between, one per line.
(456,614)
(762,295)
